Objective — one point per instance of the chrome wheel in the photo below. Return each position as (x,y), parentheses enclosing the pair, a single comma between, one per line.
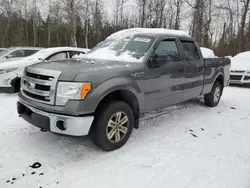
(217,94)
(117,127)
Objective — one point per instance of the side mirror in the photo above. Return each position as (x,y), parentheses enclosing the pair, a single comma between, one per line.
(158,61)
(8,56)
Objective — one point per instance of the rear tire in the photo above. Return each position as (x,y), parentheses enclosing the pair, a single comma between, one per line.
(213,98)
(113,125)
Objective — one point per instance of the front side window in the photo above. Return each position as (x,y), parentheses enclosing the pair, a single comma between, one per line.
(58,56)
(190,50)
(168,49)
(17,53)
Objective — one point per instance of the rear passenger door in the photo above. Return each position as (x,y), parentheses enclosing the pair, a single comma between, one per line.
(194,70)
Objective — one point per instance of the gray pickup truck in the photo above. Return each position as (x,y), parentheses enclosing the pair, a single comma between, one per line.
(104,93)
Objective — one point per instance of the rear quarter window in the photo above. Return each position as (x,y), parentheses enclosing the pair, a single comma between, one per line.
(73,53)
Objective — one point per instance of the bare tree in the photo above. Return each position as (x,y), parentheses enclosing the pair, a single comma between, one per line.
(245,10)
(71,9)
(6,7)
(57,17)
(86,21)
(122,11)
(142,11)
(117,11)
(49,24)
(178,4)
(34,16)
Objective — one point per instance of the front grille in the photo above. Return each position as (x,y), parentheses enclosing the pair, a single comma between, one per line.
(40,84)
(38,97)
(37,76)
(235,77)
(39,87)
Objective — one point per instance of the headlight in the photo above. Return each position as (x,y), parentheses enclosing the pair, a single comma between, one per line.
(69,91)
(2,71)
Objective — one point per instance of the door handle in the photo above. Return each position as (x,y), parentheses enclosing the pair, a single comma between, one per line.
(181,71)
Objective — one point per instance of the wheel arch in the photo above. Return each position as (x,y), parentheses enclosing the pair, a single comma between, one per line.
(220,78)
(126,96)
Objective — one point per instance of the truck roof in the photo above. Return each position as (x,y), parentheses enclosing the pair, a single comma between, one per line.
(150,32)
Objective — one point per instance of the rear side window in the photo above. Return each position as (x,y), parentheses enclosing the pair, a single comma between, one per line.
(190,50)
(73,53)
(58,56)
(29,52)
(169,49)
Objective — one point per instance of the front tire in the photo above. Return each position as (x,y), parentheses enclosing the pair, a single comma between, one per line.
(213,98)
(113,125)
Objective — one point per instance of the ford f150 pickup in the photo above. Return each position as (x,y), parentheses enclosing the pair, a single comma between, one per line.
(104,93)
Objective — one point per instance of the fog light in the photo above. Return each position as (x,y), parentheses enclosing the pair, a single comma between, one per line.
(61,125)
(247,78)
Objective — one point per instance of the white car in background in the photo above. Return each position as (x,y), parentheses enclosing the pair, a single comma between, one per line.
(2,49)
(16,53)
(11,72)
(240,69)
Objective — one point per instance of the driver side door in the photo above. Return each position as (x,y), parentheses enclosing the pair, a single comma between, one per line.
(164,76)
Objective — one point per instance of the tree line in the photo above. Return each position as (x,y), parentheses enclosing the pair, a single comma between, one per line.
(221,25)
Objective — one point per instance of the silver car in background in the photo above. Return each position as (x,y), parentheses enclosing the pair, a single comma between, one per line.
(16,53)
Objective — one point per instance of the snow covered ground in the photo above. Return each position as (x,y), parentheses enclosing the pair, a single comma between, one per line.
(184,146)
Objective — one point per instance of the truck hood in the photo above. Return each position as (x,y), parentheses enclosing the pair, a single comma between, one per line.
(71,68)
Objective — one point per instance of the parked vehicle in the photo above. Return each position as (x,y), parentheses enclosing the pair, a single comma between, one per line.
(207,53)
(16,53)
(11,72)
(2,49)
(240,70)
(132,72)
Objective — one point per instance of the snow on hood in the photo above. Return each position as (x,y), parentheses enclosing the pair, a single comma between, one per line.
(207,53)
(241,61)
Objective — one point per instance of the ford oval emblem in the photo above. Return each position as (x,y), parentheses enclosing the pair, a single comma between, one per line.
(30,85)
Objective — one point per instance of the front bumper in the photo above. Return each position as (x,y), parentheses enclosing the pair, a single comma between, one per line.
(239,77)
(61,124)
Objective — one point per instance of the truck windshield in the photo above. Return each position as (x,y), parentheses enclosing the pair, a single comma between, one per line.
(130,49)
